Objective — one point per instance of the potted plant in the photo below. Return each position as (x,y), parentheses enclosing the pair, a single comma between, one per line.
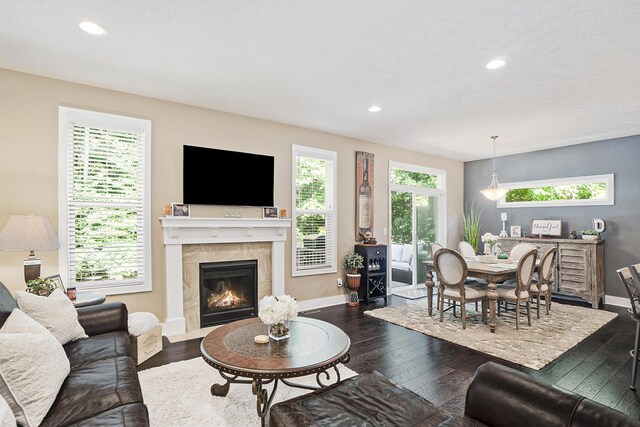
(471,225)
(352,262)
(41,286)
(590,234)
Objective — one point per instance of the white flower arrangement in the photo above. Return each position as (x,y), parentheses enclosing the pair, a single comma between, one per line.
(273,309)
(490,239)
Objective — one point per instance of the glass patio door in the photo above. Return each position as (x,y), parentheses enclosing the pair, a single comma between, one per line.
(417,219)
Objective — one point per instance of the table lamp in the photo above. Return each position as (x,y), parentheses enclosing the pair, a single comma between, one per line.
(29,233)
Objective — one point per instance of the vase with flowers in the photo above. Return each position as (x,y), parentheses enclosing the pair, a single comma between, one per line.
(490,243)
(276,312)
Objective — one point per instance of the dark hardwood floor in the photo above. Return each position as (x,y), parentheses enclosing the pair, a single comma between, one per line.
(599,367)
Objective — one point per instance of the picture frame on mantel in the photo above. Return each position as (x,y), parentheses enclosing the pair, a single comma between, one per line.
(365,163)
(270,212)
(546,227)
(180,210)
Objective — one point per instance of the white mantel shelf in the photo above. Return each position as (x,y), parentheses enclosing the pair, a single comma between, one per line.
(179,231)
(185,231)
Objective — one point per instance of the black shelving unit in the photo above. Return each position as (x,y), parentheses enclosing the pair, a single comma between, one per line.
(373,283)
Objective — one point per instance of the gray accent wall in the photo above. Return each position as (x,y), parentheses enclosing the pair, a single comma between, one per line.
(620,156)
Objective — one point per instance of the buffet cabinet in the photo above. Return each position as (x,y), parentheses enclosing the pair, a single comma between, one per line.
(579,265)
(373,284)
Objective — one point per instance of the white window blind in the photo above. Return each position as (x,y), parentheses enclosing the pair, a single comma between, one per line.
(104,220)
(314,189)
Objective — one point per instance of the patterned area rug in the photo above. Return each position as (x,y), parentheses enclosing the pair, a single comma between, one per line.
(415,293)
(532,346)
(178,394)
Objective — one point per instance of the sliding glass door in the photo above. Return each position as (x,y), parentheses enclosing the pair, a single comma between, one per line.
(417,219)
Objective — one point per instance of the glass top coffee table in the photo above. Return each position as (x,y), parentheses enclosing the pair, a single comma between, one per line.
(314,347)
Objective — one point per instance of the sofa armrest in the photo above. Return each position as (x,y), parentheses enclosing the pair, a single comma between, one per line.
(104,318)
(500,396)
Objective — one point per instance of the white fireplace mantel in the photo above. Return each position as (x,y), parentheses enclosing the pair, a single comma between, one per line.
(179,231)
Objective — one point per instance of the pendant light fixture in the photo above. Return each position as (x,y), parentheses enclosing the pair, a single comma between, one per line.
(494,192)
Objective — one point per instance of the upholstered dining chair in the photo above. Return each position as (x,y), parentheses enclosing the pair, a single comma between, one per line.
(545,279)
(630,278)
(466,250)
(520,292)
(520,249)
(452,273)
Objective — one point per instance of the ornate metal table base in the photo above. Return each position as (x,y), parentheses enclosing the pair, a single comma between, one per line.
(264,399)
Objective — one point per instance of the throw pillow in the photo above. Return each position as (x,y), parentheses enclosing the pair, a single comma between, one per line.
(33,366)
(55,312)
(7,419)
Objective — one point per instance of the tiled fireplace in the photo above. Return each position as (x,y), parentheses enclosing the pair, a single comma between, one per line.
(192,242)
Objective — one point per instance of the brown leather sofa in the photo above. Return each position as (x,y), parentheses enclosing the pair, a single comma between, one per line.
(102,388)
(498,396)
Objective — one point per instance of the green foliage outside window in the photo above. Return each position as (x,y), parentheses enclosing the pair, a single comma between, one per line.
(559,192)
(310,195)
(401,207)
(106,198)
(417,179)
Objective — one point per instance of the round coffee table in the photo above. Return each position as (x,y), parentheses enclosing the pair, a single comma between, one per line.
(314,347)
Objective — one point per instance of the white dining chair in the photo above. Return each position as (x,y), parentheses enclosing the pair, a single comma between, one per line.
(466,250)
(519,250)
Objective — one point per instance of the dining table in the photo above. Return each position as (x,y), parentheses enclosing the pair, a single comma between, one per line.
(492,273)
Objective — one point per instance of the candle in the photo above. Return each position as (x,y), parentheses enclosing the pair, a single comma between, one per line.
(503,216)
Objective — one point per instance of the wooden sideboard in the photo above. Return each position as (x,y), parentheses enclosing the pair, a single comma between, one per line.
(579,265)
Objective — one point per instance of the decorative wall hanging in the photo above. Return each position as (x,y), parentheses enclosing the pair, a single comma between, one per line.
(364,193)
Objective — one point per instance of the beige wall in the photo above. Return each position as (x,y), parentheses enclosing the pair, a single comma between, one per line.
(29,175)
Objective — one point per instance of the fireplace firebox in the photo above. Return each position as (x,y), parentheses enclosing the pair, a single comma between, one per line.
(228,291)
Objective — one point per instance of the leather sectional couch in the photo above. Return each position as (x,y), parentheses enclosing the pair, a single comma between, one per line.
(498,396)
(102,388)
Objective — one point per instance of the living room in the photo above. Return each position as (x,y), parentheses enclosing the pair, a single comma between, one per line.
(203,90)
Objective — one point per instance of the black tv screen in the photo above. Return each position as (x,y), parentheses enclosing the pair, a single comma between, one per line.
(221,177)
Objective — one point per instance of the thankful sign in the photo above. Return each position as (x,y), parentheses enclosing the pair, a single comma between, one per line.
(546,227)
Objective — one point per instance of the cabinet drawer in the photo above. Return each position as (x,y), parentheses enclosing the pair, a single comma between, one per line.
(573,252)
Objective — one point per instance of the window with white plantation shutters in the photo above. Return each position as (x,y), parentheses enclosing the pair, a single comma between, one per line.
(104,206)
(314,211)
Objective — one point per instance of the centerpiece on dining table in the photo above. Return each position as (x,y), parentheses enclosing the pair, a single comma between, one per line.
(276,312)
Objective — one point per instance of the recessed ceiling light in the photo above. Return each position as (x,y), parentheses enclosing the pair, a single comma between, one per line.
(496,63)
(91,28)
(375,108)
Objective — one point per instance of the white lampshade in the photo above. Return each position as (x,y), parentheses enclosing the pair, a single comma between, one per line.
(28,233)
(494,192)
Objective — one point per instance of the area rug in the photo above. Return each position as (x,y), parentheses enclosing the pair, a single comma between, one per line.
(532,346)
(179,394)
(415,293)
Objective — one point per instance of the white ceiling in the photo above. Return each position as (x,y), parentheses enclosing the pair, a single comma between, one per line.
(572,73)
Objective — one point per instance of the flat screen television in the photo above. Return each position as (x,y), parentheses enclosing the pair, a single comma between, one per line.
(221,177)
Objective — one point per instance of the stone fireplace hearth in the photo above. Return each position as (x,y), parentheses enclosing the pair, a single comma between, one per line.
(192,241)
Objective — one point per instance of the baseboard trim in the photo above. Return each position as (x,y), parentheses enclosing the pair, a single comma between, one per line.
(617,301)
(312,304)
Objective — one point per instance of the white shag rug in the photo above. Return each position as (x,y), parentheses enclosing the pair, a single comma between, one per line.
(178,394)
(532,346)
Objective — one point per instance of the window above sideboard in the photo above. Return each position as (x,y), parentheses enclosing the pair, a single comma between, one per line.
(573,191)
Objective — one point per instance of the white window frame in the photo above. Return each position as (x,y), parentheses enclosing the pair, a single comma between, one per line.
(299,150)
(112,121)
(608,179)
(440,193)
